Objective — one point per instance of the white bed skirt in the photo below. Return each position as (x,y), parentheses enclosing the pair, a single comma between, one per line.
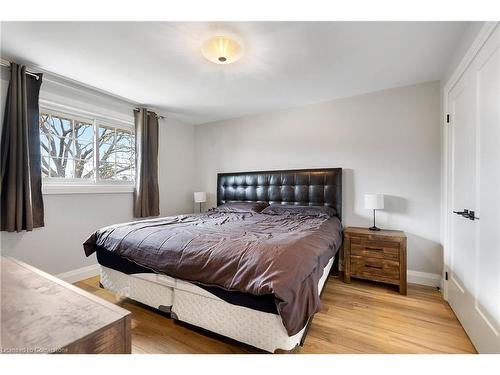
(194,305)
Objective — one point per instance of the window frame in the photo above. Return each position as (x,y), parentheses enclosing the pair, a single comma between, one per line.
(60,185)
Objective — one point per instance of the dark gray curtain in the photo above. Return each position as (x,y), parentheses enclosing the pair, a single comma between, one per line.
(146,194)
(20,171)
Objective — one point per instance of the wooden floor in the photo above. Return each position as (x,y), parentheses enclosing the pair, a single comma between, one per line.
(360,317)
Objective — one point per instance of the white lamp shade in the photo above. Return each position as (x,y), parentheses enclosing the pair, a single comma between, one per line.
(200,197)
(374,201)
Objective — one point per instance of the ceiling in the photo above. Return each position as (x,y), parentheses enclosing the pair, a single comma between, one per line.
(286,64)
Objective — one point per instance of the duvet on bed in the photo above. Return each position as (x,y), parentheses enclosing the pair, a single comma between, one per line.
(260,254)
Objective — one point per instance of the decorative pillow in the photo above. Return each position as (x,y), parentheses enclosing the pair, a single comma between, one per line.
(283,209)
(242,207)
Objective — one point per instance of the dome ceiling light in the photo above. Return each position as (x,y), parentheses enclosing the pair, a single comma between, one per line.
(221,50)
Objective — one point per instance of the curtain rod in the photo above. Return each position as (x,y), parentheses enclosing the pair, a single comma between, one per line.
(7,63)
(157,116)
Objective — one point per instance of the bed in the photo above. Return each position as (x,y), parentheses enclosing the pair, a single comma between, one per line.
(252,276)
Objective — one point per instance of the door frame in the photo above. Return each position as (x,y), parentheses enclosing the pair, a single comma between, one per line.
(446,206)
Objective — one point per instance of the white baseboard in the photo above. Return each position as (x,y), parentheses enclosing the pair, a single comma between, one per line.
(80,273)
(424,278)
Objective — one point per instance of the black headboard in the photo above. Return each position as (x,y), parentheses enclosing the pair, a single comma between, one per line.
(305,187)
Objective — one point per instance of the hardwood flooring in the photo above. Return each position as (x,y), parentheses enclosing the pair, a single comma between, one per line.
(360,317)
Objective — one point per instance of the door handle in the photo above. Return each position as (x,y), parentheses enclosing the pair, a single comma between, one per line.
(467,214)
(464,213)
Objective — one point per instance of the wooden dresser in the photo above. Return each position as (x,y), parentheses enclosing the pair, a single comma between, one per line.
(42,314)
(375,255)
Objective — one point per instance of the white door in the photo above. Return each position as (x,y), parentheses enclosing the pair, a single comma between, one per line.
(474,263)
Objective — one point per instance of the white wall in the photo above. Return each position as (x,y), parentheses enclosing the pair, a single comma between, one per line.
(71,218)
(387,142)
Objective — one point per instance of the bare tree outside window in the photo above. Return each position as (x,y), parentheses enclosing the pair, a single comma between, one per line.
(71,150)
(116,154)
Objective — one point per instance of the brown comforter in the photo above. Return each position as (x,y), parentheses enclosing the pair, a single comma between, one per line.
(246,252)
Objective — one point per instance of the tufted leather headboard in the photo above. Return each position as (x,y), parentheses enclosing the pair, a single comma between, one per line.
(305,187)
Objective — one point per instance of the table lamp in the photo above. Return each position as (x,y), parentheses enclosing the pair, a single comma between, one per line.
(200,197)
(374,202)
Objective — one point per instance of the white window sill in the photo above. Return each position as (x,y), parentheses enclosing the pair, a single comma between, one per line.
(85,189)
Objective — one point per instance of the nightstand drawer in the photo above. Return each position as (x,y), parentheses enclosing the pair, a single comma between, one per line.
(374,268)
(375,248)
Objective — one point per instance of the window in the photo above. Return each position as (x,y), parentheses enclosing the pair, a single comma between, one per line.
(116,151)
(85,151)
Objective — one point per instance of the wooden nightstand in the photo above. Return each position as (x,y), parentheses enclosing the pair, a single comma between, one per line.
(375,255)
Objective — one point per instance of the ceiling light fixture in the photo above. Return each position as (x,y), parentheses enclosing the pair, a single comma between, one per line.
(221,50)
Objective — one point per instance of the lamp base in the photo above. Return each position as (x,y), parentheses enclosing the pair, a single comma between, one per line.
(374,228)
